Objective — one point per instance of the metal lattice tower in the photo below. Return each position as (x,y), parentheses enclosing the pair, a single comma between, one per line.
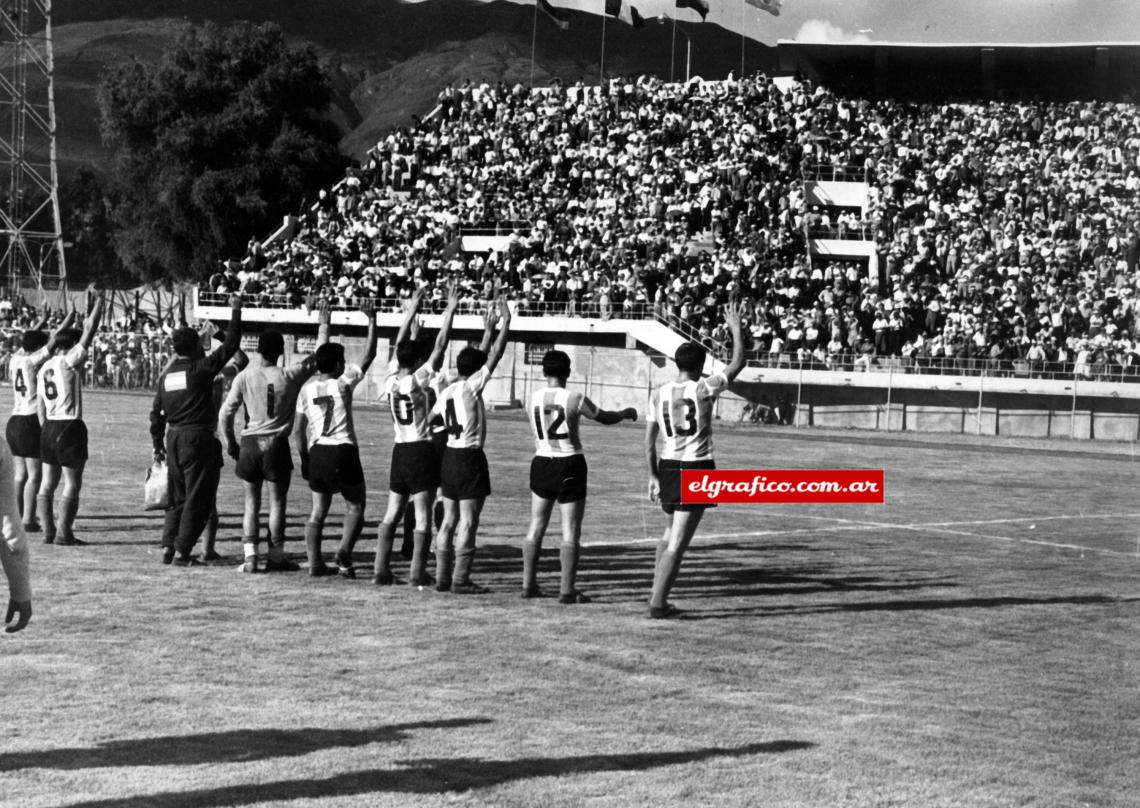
(30,234)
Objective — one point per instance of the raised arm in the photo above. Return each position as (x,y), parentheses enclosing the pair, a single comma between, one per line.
(324,317)
(365,361)
(410,309)
(91,324)
(500,345)
(41,323)
(232,345)
(67,322)
(489,320)
(732,313)
(444,335)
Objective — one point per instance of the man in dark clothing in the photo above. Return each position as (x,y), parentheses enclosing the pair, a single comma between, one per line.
(184,412)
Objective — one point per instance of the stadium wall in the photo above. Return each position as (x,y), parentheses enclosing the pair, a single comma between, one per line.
(619,377)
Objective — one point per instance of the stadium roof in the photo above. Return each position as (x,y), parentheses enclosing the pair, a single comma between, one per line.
(1014,71)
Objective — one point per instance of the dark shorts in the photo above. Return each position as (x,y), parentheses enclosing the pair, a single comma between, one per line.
(64,443)
(332,468)
(266,458)
(464,474)
(560,478)
(23,434)
(669,473)
(414,468)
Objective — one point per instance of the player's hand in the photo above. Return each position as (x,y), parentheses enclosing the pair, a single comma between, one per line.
(629,414)
(452,295)
(732,312)
(23,608)
(654,490)
(368,307)
(491,317)
(324,311)
(158,456)
(504,309)
(235,300)
(233,450)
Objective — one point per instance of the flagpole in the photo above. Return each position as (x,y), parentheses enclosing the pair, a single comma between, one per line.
(602,66)
(741,41)
(673,50)
(533,37)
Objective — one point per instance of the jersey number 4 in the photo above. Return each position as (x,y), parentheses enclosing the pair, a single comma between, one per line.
(450,420)
(686,420)
(18,383)
(553,431)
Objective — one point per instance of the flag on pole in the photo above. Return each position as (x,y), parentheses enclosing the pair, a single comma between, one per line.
(625,12)
(771,6)
(557,16)
(699,6)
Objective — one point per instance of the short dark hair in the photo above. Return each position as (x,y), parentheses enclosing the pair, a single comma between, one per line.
(556,364)
(33,340)
(270,344)
(329,356)
(67,338)
(408,353)
(470,360)
(185,341)
(690,357)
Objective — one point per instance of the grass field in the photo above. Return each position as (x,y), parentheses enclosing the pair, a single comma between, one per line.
(973,642)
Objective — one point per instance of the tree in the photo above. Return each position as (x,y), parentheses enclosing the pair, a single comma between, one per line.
(213,145)
(85,212)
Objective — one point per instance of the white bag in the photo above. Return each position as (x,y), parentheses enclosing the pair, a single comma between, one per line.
(156,489)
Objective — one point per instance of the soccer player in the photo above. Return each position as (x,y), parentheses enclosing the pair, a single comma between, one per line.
(464,477)
(23,430)
(63,443)
(414,470)
(682,412)
(326,442)
(183,427)
(13,549)
(558,472)
(269,395)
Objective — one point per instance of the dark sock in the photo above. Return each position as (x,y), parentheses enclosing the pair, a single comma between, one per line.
(420,541)
(531,552)
(313,544)
(444,560)
(569,557)
(383,549)
(353,526)
(437,515)
(463,559)
(46,514)
(276,548)
(68,508)
(663,579)
(407,546)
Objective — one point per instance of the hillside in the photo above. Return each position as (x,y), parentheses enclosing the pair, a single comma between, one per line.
(389,59)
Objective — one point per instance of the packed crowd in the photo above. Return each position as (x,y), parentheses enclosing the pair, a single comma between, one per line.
(1006,231)
(127,353)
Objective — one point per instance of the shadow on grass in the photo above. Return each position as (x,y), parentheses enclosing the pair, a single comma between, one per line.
(448,775)
(932,604)
(234,746)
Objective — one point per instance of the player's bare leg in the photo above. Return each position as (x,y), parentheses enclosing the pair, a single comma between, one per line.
(355,500)
(385,533)
(540,510)
(29,475)
(445,545)
(251,525)
(45,501)
(469,512)
(69,503)
(684,526)
(278,498)
(313,529)
(572,514)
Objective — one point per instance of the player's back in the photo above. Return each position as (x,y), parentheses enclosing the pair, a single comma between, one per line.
(327,407)
(22,370)
(554,416)
(269,395)
(410,402)
(464,415)
(59,385)
(684,413)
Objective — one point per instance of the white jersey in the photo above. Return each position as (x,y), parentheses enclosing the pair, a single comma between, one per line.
(554,416)
(683,411)
(435,388)
(327,407)
(59,383)
(22,370)
(461,405)
(409,401)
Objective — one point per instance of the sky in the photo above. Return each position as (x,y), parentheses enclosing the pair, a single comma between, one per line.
(925,21)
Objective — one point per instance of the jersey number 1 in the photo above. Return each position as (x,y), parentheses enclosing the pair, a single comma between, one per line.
(553,432)
(687,423)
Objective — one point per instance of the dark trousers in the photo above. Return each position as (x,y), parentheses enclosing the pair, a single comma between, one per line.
(193,458)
